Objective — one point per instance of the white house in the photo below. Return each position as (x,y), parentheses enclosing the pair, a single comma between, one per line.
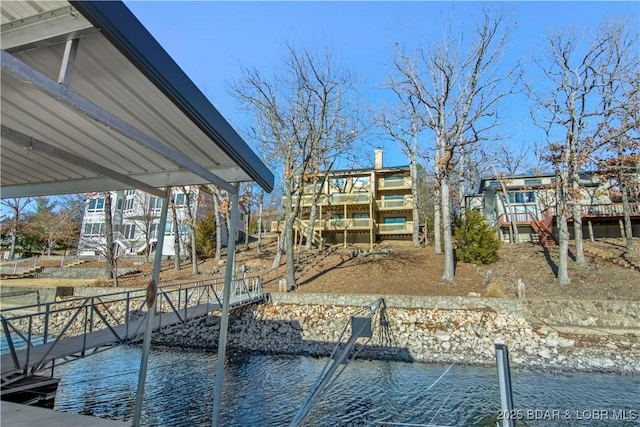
(136,215)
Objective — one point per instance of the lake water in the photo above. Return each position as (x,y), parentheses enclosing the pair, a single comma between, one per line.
(266,390)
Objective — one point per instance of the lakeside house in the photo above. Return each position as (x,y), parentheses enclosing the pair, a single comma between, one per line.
(531,201)
(136,216)
(358,205)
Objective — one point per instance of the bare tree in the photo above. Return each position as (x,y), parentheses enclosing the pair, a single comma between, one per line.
(176,236)
(505,162)
(298,114)
(111,267)
(458,91)
(620,160)
(189,195)
(404,126)
(17,207)
(572,111)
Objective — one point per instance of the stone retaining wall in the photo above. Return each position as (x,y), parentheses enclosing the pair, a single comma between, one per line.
(579,313)
(79,272)
(456,331)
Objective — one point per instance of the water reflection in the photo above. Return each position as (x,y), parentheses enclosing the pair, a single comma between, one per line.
(263,390)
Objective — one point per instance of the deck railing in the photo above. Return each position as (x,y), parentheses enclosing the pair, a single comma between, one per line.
(119,313)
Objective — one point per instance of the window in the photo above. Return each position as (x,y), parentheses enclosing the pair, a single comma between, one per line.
(129,231)
(339,183)
(179,199)
(393,201)
(522,197)
(493,184)
(361,184)
(361,216)
(395,220)
(129,192)
(533,181)
(128,204)
(94,229)
(168,228)
(96,205)
(119,205)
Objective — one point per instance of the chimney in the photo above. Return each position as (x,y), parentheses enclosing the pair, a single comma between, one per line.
(377,162)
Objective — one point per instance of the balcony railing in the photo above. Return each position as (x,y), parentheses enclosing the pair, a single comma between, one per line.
(348,224)
(351,224)
(394,184)
(396,228)
(350,198)
(395,204)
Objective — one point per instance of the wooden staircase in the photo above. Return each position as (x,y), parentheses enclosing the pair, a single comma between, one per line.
(316,238)
(611,257)
(22,273)
(544,230)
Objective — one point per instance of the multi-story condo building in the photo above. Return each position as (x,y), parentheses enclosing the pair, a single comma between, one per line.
(531,201)
(360,205)
(136,216)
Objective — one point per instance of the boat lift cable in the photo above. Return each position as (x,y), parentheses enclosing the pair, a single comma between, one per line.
(478,335)
(337,362)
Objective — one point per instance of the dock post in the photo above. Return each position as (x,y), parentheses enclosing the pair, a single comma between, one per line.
(224,321)
(151,310)
(504,380)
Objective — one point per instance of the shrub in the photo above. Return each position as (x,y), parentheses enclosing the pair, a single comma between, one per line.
(206,236)
(494,290)
(477,241)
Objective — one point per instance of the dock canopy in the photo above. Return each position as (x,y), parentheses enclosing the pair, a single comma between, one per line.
(91,102)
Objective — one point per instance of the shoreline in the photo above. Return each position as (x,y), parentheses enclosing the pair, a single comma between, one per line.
(416,335)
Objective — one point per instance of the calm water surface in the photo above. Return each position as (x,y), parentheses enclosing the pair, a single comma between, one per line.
(263,390)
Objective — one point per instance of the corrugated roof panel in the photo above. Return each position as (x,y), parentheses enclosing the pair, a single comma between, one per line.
(134,85)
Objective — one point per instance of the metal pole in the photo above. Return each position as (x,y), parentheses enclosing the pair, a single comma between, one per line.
(224,322)
(151,309)
(504,379)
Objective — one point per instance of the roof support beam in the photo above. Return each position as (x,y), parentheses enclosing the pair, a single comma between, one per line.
(47,28)
(68,58)
(22,71)
(29,143)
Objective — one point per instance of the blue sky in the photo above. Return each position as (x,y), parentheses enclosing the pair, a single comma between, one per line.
(210,39)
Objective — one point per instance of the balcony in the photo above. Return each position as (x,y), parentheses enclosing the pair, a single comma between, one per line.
(350,224)
(396,228)
(395,204)
(394,184)
(350,198)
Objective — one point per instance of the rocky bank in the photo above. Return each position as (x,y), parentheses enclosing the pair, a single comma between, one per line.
(432,335)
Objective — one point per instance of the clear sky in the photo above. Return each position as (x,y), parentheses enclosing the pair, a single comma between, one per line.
(210,39)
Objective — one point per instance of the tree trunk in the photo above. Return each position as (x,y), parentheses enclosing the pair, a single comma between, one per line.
(218,216)
(577,232)
(176,239)
(260,209)
(110,269)
(194,255)
(246,231)
(447,235)
(577,222)
(290,262)
(510,212)
(563,243)
(626,210)
(413,172)
(277,261)
(312,220)
(563,234)
(437,226)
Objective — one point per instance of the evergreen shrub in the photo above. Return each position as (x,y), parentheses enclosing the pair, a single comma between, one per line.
(477,242)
